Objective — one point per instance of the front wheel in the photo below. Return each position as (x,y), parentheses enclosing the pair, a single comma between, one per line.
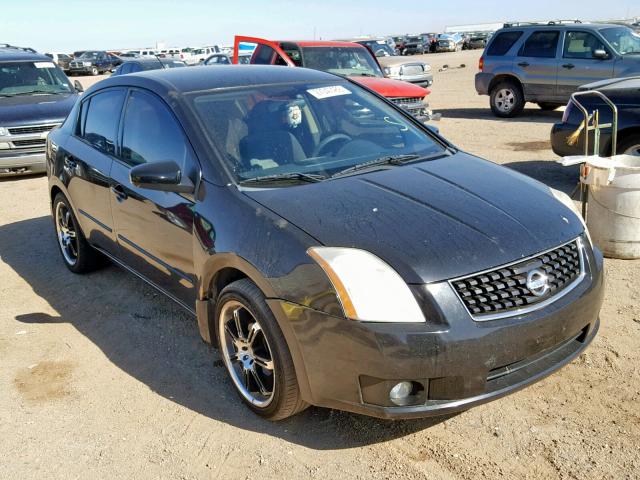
(77,254)
(507,99)
(255,352)
(94,71)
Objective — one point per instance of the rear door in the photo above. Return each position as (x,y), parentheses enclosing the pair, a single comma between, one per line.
(88,158)
(536,65)
(579,66)
(154,228)
(265,53)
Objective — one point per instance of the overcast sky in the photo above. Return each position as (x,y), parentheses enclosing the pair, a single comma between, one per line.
(68,25)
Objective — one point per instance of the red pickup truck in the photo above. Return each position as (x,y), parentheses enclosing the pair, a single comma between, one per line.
(342,58)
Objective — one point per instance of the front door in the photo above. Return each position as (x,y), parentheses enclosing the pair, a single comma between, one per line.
(154,228)
(579,64)
(537,65)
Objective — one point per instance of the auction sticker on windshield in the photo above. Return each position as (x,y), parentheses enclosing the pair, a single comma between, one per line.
(44,64)
(328,92)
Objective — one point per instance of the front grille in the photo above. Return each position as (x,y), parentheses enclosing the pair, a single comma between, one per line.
(37,142)
(30,129)
(414,105)
(504,291)
(412,70)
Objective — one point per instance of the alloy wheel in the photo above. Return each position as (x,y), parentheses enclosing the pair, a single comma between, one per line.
(246,354)
(505,100)
(633,150)
(67,235)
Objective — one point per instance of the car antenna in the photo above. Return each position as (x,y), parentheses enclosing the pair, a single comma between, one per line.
(159,61)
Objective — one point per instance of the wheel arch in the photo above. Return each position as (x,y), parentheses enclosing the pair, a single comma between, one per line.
(622,136)
(505,77)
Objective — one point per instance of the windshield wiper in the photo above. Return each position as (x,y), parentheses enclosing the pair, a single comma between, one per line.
(366,74)
(304,177)
(387,160)
(36,92)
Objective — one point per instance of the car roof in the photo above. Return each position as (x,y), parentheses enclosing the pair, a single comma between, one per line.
(16,55)
(589,26)
(186,80)
(318,43)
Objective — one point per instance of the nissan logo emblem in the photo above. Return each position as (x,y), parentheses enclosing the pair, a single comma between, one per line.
(537,282)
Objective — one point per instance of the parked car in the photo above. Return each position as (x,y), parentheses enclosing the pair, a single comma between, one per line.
(224,59)
(478,40)
(35,97)
(60,59)
(378,46)
(184,55)
(449,42)
(94,62)
(416,45)
(399,42)
(567,136)
(199,55)
(340,58)
(545,64)
(143,53)
(144,64)
(338,252)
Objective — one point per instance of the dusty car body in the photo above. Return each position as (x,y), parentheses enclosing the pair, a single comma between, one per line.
(369,266)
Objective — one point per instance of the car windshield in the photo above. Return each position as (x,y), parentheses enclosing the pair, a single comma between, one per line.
(304,131)
(341,61)
(198,51)
(414,39)
(378,46)
(32,78)
(89,55)
(622,39)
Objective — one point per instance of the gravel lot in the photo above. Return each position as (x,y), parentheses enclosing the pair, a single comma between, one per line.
(101,377)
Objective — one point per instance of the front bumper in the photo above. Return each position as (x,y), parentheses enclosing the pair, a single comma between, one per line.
(14,162)
(461,363)
(425,80)
(82,69)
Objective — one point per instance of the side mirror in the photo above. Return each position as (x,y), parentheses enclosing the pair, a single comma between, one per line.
(600,54)
(163,176)
(78,86)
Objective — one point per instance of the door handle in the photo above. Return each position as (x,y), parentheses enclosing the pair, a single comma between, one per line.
(568,65)
(523,64)
(118,191)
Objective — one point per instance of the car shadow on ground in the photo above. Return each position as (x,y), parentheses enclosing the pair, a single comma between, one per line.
(529,115)
(551,173)
(157,342)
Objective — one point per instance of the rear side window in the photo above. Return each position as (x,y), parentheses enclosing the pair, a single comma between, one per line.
(99,120)
(540,45)
(581,45)
(502,43)
(151,133)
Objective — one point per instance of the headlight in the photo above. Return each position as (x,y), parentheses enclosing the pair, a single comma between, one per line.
(566,200)
(3,131)
(427,67)
(394,71)
(368,289)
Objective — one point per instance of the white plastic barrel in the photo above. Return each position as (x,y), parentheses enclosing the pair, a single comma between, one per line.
(613,211)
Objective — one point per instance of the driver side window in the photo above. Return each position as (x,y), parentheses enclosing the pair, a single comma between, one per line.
(581,45)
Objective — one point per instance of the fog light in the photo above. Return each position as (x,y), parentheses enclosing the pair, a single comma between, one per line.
(401,392)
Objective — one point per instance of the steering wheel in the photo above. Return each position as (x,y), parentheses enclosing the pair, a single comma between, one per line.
(336,137)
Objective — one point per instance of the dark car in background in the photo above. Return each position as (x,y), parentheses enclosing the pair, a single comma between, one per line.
(61,59)
(244,58)
(338,252)
(546,63)
(568,136)
(35,97)
(416,45)
(93,62)
(144,64)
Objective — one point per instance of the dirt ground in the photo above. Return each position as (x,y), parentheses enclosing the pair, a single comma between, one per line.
(102,377)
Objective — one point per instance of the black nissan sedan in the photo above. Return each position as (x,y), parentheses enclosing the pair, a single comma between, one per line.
(338,252)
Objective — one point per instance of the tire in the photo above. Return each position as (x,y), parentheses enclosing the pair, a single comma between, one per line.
(272,393)
(506,99)
(77,254)
(629,144)
(94,71)
(548,106)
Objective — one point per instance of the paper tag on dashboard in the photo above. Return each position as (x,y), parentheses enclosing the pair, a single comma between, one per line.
(44,64)
(328,92)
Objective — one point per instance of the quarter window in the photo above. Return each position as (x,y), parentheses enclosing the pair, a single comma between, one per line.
(540,45)
(581,45)
(99,120)
(151,133)
(502,43)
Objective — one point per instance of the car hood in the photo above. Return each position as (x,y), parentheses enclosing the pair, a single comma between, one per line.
(35,109)
(390,88)
(433,220)
(397,60)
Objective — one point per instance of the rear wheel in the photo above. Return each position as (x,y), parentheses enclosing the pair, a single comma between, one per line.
(506,99)
(77,254)
(255,352)
(548,106)
(629,145)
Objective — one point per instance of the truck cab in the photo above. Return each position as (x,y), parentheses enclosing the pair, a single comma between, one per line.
(347,59)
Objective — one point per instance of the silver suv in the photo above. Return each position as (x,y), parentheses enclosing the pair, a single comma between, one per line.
(546,63)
